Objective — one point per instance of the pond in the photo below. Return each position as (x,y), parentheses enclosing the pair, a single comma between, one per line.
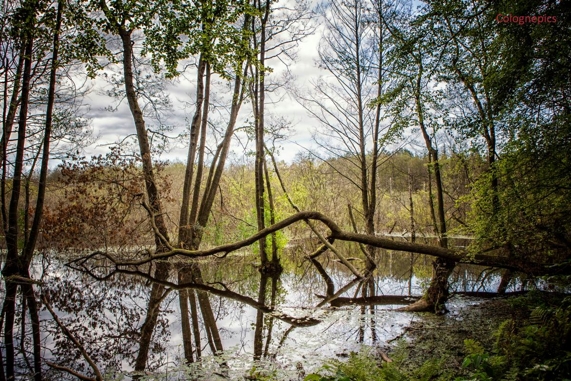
(289,322)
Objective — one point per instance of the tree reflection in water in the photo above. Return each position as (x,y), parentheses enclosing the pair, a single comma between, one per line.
(305,312)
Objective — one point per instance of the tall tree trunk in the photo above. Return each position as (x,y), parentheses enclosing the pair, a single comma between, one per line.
(188,210)
(184,235)
(371,209)
(273,267)
(201,151)
(436,295)
(42,184)
(13,263)
(17,264)
(191,228)
(218,165)
(161,234)
(259,106)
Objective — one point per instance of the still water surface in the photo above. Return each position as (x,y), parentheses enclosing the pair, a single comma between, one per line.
(106,315)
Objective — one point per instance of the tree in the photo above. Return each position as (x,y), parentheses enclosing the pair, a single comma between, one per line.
(351,52)
(31,36)
(482,66)
(124,20)
(458,47)
(212,35)
(531,87)
(222,50)
(413,101)
(275,32)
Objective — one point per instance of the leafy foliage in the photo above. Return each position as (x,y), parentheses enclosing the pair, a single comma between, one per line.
(183,29)
(90,192)
(535,348)
(359,367)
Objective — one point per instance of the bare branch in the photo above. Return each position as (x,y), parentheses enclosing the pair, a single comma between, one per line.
(79,346)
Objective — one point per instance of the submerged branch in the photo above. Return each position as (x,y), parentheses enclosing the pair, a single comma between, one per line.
(372,300)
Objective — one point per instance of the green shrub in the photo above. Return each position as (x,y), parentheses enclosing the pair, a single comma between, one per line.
(361,366)
(533,349)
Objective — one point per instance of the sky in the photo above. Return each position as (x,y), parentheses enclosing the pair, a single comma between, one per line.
(110,126)
(112,122)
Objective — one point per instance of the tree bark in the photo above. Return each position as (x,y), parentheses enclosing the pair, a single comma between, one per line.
(504,282)
(184,234)
(42,184)
(188,210)
(194,215)
(437,293)
(161,234)
(258,102)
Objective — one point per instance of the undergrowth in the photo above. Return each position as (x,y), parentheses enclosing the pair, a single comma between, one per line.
(532,344)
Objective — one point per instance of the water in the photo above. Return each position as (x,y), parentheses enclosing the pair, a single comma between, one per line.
(106,316)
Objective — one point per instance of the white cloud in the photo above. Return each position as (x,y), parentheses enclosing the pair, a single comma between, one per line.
(113,126)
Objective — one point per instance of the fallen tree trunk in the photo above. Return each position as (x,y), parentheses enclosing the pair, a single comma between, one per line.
(460,256)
